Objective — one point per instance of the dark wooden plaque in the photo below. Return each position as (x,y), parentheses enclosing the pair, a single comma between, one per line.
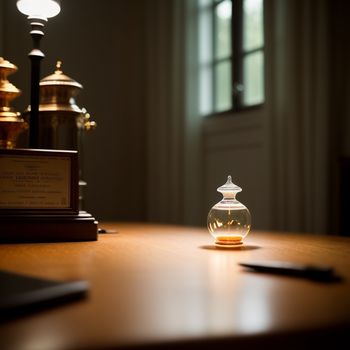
(39,181)
(39,197)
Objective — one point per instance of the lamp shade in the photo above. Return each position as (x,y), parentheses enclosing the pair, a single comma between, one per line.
(39,8)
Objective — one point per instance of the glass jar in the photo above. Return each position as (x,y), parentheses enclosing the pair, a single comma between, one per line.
(229,221)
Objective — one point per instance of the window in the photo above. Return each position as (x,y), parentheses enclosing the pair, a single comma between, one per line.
(231,55)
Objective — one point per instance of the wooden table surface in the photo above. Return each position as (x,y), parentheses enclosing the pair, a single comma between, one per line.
(158,285)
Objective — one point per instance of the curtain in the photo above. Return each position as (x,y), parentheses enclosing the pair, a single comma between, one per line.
(301,146)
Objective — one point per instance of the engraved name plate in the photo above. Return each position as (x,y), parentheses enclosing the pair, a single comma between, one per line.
(38,180)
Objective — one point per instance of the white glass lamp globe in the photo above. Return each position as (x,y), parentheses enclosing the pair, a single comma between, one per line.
(39,8)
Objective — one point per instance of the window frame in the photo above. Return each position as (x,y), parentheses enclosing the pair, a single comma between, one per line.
(237,58)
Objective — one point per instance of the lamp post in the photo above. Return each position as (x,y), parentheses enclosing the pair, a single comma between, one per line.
(38,11)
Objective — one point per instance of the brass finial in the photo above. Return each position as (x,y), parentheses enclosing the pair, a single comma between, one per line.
(58,67)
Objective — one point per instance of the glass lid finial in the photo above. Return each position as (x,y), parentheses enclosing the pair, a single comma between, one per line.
(229,187)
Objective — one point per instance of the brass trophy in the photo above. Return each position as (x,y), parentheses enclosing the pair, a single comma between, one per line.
(11,124)
(40,197)
(62,122)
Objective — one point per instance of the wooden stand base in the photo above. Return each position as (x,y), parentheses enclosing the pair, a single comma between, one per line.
(48,228)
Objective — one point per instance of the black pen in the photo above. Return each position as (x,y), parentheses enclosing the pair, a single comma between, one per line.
(315,272)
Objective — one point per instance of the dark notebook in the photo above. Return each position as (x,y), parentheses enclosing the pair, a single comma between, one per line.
(20,294)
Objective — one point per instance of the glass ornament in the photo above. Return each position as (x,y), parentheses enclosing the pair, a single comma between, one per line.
(229,221)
